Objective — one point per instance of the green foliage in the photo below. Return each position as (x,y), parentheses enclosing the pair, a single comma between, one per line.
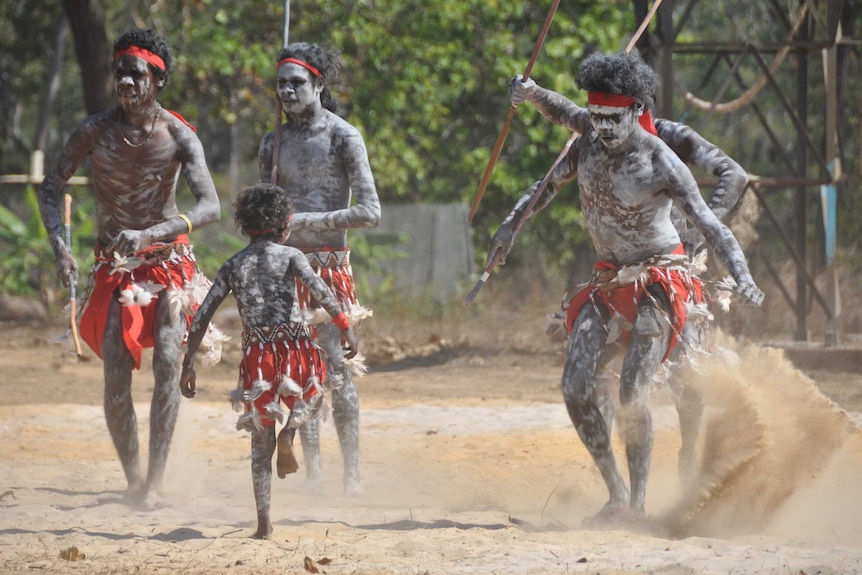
(25,252)
(367,252)
(426,83)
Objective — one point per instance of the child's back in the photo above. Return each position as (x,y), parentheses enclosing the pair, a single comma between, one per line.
(261,277)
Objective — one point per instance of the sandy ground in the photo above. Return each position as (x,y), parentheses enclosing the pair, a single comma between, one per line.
(470,465)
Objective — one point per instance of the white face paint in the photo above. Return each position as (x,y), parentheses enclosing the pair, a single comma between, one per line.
(613,124)
(134,83)
(297,89)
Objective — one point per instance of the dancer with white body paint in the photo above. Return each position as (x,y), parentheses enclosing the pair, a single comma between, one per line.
(323,165)
(280,363)
(145,284)
(692,149)
(641,288)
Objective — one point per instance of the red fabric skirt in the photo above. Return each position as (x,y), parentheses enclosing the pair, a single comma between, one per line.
(336,272)
(137,320)
(679,286)
(273,362)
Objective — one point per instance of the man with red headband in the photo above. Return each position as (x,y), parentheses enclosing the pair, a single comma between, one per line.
(642,289)
(692,149)
(145,285)
(322,162)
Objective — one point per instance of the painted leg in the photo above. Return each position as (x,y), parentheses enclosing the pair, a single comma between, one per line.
(345,408)
(688,399)
(309,436)
(262,448)
(167,365)
(646,349)
(345,412)
(584,357)
(119,409)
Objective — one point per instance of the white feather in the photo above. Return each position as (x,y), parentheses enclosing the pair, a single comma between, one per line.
(274,410)
(289,387)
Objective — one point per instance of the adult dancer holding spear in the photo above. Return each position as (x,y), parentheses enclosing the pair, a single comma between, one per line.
(145,284)
(641,290)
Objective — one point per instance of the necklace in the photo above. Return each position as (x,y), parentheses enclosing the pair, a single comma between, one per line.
(150,135)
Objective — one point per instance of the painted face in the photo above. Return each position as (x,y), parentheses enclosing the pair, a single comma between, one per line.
(297,89)
(613,125)
(134,82)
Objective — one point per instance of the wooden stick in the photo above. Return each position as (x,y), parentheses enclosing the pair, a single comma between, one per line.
(73,320)
(639,32)
(495,259)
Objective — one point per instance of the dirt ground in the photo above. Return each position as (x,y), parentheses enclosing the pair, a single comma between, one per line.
(469,461)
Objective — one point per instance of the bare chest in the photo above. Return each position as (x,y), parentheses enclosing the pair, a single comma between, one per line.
(618,187)
(124,169)
(311,170)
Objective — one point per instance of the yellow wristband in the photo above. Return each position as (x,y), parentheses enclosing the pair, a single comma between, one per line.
(188,222)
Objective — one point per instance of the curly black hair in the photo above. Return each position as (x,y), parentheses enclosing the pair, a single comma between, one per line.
(620,74)
(327,61)
(262,210)
(148,40)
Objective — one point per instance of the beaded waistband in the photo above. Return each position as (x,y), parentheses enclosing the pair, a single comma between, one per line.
(156,253)
(328,258)
(278,333)
(606,279)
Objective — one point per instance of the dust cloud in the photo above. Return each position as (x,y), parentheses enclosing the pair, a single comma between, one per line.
(768,432)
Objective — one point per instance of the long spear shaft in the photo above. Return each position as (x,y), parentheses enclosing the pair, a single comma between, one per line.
(276,145)
(498,146)
(498,254)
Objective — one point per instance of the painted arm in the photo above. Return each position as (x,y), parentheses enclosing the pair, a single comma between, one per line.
(504,238)
(552,105)
(695,150)
(718,236)
(217,294)
(51,206)
(264,158)
(365,211)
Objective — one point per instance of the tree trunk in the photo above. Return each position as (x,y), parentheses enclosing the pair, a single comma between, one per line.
(93,52)
(53,85)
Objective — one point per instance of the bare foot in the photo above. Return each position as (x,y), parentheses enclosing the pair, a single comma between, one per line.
(264,529)
(313,485)
(144,500)
(353,487)
(613,516)
(286,462)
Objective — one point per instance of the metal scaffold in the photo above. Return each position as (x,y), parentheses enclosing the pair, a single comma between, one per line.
(769,78)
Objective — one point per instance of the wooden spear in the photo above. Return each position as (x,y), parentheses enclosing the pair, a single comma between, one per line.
(276,144)
(498,147)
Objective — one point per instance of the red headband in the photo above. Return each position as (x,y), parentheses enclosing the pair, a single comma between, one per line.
(143,54)
(613,100)
(305,65)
